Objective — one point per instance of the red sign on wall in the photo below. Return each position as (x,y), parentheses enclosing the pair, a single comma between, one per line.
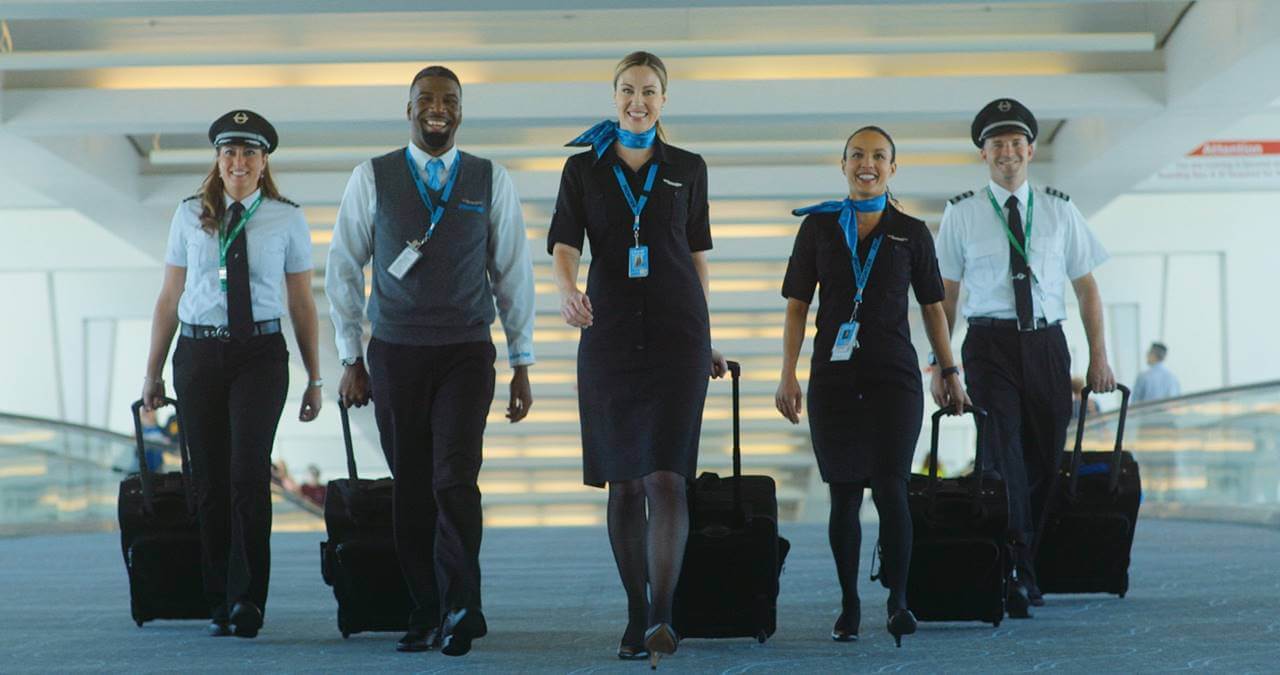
(1236,149)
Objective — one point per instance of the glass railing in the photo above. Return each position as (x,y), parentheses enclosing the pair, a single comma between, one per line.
(61,477)
(1209,455)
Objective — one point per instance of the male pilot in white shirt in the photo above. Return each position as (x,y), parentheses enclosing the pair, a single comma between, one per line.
(1016,362)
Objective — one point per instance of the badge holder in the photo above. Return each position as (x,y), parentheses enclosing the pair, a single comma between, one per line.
(846,341)
(637,256)
(404,262)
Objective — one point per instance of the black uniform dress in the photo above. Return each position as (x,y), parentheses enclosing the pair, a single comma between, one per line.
(864,413)
(644,363)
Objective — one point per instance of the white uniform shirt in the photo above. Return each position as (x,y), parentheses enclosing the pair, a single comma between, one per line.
(510,271)
(279,243)
(974,250)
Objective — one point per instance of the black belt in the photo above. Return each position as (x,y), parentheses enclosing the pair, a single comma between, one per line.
(269,327)
(1011,324)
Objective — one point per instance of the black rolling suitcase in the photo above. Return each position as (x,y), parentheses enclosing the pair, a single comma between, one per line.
(729,580)
(160,537)
(1089,522)
(359,559)
(960,563)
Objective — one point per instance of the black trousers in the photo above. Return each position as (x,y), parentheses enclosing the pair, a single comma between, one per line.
(431,404)
(232,394)
(1023,380)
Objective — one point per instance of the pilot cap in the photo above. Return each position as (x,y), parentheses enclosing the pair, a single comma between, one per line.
(1002,116)
(244,127)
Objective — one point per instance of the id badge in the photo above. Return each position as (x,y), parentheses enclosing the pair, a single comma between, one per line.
(222,278)
(846,341)
(638,262)
(404,262)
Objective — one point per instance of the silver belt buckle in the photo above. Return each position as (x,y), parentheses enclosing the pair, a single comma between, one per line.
(222,333)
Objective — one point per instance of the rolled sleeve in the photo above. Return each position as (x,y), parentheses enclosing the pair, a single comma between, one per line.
(1083,251)
(568,222)
(698,229)
(802,269)
(510,269)
(350,251)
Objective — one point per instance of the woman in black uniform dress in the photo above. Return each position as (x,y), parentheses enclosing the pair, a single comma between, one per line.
(865,396)
(645,352)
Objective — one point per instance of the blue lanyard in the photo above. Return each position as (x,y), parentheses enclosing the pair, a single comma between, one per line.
(636,206)
(436,211)
(861,270)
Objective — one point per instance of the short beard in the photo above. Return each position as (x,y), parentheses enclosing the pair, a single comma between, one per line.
(435,139)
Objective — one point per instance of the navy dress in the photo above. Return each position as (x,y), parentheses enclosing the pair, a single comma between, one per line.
(644,363)
(864,413)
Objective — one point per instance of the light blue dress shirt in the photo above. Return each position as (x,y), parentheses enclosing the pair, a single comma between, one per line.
(279,243)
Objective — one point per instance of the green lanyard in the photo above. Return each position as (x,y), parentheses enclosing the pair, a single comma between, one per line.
(1008,232)
(226,238)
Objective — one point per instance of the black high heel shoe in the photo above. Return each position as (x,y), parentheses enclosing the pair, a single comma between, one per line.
(660,639)
(632,652)
(846,628)
(901,622)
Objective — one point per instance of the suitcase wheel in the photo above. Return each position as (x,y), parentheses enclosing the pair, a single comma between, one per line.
(761,636)
(345,635)
(139,623)
(995,624)
(1122,595)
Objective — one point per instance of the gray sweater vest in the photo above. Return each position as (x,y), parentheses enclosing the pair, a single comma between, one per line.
(446,297)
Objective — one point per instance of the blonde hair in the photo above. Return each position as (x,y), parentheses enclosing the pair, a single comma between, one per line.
(651,61)
(213,204)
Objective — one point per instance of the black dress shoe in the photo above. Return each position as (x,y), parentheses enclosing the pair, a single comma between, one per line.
(1017,604)
(219,628)
(419,640)
(461,626)
(246,619)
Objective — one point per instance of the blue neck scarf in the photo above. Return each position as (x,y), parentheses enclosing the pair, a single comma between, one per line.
(602,135)
(860,205)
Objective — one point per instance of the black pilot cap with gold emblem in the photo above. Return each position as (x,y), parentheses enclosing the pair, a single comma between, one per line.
(244,127)
(1002,116)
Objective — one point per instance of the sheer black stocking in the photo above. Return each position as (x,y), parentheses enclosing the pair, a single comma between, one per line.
(626,536)
(668,533)
(890,495)
(844,531)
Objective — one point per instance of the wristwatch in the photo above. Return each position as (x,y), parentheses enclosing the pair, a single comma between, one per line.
(351,361)
(318,382)
(952,370)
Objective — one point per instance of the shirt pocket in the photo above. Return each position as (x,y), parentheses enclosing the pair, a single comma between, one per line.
(987,263)
(1048,261)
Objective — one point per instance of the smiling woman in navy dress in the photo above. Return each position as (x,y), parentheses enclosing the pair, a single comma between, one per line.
(645,352)
(865,394)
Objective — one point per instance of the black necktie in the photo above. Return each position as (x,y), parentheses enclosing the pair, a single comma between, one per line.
(1019,269)
(239,303)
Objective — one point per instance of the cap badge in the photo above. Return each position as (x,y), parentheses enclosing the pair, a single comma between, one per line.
(1004,106)
(241,118)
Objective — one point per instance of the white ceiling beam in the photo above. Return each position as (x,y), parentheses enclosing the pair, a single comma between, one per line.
(541,51)
(1221,66)
(317,188)
(97,176)
(104,9)
(145,111)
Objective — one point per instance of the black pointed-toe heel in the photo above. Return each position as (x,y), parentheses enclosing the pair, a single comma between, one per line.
(660,639)
(846,628)
(901,622)
(632,652)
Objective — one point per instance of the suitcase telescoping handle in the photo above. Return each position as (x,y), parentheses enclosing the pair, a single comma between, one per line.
(980,421)
(735,372)
(144,471)
(1078,452)
(346,440)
